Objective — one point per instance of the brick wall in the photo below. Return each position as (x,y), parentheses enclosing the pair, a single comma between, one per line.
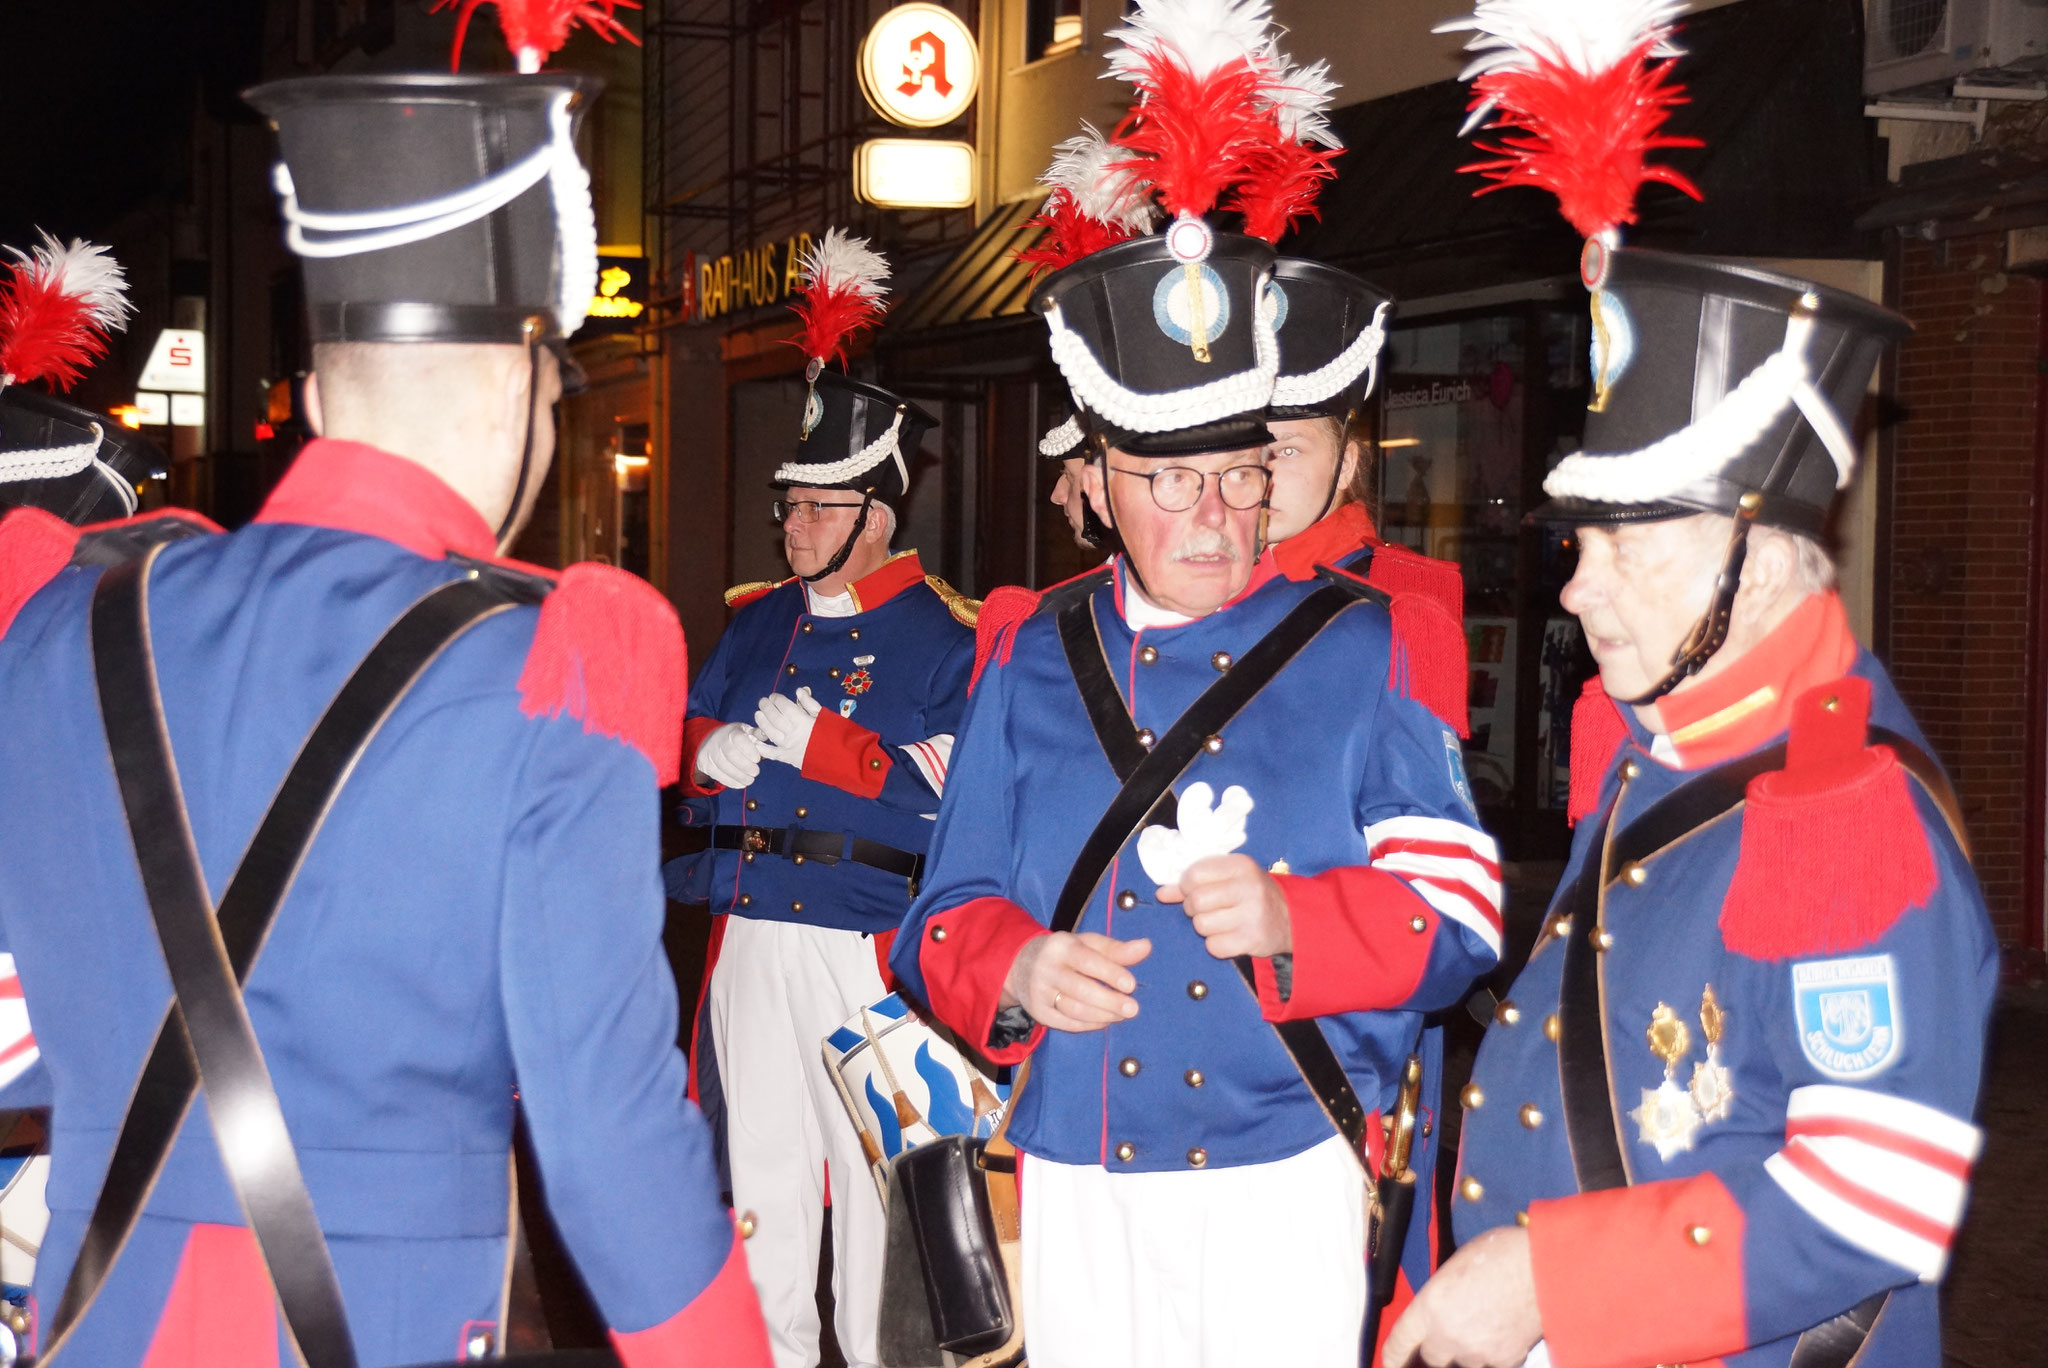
(1961,519)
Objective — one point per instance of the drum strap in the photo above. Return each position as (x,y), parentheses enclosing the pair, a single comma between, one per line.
(1148,776)
(206,1034)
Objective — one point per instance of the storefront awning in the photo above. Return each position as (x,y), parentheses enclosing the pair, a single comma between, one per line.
(969,315)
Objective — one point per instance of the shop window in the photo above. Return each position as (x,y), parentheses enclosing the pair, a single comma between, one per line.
(1051,27)
(1474,411)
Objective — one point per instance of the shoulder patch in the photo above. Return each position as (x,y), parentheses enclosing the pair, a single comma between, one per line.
(995,628)
(34,546)
(740,595)
(1848,1016)
(964,609)
(609,651)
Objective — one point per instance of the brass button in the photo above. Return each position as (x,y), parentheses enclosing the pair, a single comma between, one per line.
(1147,655)
(938,935)
(747,1224)
(1126,1151)
(1699,1234)
(1221,660)
(1470,1189)
(1531,1116)
(1214,745)
(1198,990)
(803,812)
(1550,1027)
(1561,928)
(1832,703)
(751,804)
(1472,1097)
(833,672)
(1146,738)
(1630,769)
(1506,1013)
(1603,941)
(1426,1128)
(1128,1068)
(855,634)
(796,859)
(746,900)
(1522,1218)
(1198,1156)
(748,857)
(789,669)
(875,763)
(1634,873)
(1418,923)
(1193,1078)
(1126,900)
(796,906)
(807,626)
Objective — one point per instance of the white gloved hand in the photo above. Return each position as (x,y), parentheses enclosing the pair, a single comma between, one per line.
(1208,826)
(730,756)
(785,725)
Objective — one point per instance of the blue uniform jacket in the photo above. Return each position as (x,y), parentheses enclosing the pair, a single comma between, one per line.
(479,919)
(1840,1166)
(891,681)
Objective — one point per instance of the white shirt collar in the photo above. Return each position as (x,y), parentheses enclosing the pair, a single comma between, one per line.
(830,606)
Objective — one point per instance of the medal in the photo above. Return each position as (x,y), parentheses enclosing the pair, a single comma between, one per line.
(1667,1117)
(1713,1086)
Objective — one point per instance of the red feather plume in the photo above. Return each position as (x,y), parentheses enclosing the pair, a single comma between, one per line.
(1070,233)
(57,305)
(1588,136)
(540,27)
(1192,135)
(842,296)
(1282,177)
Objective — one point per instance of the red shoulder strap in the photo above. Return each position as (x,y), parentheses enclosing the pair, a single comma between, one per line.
(34,546)
(995,631)
(610,651)
(1597,733)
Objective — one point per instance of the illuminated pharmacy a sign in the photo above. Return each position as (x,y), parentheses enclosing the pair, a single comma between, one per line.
(919,66)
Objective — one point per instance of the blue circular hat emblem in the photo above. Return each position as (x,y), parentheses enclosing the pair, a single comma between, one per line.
(814,412)
(1614,339)
(1279,298)
(1191,297)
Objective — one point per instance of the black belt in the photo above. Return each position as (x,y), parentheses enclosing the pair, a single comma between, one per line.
(799,844)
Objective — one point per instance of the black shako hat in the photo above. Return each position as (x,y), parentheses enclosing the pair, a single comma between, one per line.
(1167,342)
(1332,327)
(855,436)
(436,208)
(1713,380)
(80,465)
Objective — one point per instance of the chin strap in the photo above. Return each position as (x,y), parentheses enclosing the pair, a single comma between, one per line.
(1711,630)
(860,523)
(526,445)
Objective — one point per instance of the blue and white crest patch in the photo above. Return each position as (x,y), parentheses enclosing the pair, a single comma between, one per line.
(1191,301)
(1454,754)
(1848,1014)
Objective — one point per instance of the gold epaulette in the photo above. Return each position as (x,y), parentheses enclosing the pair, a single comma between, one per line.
(747,593)
(963,608)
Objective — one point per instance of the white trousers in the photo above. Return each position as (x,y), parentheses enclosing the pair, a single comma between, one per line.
(777,991)
(1246,1267)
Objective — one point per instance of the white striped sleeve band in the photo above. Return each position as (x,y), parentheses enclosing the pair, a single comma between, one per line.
(930,756)
(1885,1173)
(1455,868)
(18,1052)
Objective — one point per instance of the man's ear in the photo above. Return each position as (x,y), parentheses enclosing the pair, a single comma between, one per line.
(1770,567)
(316,417)
(879,528)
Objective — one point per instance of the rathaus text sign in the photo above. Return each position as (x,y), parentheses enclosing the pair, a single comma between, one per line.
(767,273)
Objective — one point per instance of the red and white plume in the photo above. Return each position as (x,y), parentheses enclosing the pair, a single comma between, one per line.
(843,292)
(1581,89)
(1094,204)
(536,30)
(1293,158)
(1201,68)
(57,306)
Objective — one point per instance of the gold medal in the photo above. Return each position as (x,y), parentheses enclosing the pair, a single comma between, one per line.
(1667,1117)
(1713,1085)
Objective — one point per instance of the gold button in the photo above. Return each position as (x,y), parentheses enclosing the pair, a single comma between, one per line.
(1603,941)
(746,900)
(939,934)
(875,763)
(752,804)
(1426,1128)
(1471,1190)
(1147,655)
(1699,1234)
(1126,900)
(1418,923)
(1522,1218)
(803,812)
(1506,1013)
(1145,737)
(1129,1068)
(1831,703)
(1531,1116)
(1550,1027)
(789,669)
(746,1225)
(1214,745)
(1634,873)
(748,857)
(1198,990)
(1193,1078)
(796,906)
(833,672)
(1198,1156)
(855,634)
(1630,769)
(1561,928)
(1472,1096)
(807,626)
(796,859)
(1221,660)
(1126,1151)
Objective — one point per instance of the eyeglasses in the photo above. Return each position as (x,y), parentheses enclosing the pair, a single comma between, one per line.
(803,510)
(1176,489)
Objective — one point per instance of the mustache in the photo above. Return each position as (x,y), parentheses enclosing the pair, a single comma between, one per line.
(1206,541)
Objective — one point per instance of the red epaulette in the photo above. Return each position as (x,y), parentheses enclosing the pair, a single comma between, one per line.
(995,631)
(1598,731)
(740,595)
(36,544)
(1833,850)
(1428,606)
(609,651)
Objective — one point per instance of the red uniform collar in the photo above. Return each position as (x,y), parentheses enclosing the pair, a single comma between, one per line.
(357,488)
(1340,533)
(1742,707)
(886,581)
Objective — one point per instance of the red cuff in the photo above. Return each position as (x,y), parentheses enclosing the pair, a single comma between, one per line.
(695,729)
(846,756)
(1357,943)
(721,1327)
(965,955)
(1644,1274)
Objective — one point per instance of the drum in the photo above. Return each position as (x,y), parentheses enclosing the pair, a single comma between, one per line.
(906,1082)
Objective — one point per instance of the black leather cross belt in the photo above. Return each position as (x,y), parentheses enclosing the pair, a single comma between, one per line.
(826,847)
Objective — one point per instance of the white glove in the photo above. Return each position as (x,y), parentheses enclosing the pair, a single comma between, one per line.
(1208,826)
(731,755)
(785,725)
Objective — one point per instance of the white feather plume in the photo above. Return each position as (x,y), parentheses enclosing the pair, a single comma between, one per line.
(840,261)
(1206,35)
(87,273)
(1588,35)
(1302,97)
(1081,166)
